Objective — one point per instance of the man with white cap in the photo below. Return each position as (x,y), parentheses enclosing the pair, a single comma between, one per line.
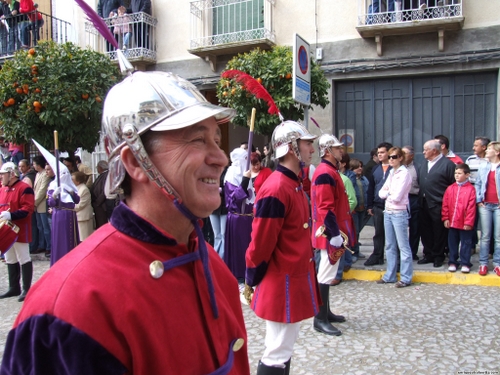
(17,203)
(144,294)
(280,256)
(331,212)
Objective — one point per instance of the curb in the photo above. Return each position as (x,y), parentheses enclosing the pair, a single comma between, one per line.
(453,278)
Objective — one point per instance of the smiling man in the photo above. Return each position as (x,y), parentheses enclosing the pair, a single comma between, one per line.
(144,294)
(279,257)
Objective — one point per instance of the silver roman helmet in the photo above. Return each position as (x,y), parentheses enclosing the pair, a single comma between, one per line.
(326,141)
(156,101)
(10,167)
(288,132)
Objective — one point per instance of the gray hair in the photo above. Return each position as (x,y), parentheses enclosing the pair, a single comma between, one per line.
(409,148)
(484,141)
(103,164)
(434,144)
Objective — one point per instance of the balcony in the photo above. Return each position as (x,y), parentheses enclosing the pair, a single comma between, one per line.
(135,34)
(18,32)
(228,27)
(379,18)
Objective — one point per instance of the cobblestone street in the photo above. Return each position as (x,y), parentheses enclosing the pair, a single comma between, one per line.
(422,329)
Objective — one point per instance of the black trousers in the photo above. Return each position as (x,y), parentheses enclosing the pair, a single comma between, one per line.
(379,237)
(413,224)
(432,231)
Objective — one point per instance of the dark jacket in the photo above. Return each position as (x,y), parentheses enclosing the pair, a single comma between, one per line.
(434,184)
(104,7)
(6,11)
(377,180)
(141,6)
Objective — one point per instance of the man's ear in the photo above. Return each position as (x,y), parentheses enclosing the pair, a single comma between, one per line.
(132,166)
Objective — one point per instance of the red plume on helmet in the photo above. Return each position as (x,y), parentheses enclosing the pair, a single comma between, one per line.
(254,87)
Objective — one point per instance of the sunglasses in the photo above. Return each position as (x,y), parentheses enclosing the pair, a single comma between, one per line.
(393,157)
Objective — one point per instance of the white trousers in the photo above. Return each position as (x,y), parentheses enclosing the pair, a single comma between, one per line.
(18,253)
(280,339)
(326,272)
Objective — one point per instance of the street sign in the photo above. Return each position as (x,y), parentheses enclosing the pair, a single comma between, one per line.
(301,86)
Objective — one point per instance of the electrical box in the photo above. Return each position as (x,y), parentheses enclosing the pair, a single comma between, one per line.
(319,53)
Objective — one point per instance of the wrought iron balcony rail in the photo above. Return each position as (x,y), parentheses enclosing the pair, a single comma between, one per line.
(381,12)
(135,34)
(20,32)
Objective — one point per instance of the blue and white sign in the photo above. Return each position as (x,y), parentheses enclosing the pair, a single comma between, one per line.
(301,86)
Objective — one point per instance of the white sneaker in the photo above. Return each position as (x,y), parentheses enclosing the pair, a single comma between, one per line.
(452,268)
(465,269)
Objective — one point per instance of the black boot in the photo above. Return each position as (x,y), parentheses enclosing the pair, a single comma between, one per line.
(332,318)
(27,272)
(287,366)
(321,323)
(263,369)
(14,276)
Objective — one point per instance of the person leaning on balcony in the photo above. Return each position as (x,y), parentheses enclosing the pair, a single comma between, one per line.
(34,24)
(9,14)
(141,29)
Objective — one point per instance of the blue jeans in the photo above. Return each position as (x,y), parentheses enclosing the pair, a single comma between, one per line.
(43,231)
(488,214)
(219,227)
(396,235)
(360,219)
(464,239)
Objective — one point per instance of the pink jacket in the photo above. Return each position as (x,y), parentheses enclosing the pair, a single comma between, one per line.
(459,205)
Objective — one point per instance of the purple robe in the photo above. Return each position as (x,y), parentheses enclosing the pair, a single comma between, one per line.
(64,227)
(238,229)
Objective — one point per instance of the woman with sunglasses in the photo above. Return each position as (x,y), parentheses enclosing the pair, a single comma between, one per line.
(395,192)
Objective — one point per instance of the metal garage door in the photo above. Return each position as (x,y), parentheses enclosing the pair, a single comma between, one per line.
(413,110)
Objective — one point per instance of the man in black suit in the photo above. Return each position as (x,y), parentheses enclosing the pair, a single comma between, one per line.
(435,175)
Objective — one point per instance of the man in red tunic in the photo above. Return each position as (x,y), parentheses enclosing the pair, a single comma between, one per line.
(17,203)
(279,258)
(330,209)
(144,294)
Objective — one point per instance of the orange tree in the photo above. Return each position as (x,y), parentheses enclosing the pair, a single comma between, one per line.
(274,70)
(55,87)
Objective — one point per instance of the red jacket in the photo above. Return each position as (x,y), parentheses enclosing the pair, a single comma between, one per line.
(27,6)
(328,193)
(279,258)
(459,205)
(19,199)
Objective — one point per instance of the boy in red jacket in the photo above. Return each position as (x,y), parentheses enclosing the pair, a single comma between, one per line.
(458,214)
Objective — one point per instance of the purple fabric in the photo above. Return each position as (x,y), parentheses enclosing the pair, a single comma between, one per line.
(52,346)
(269,207)
(255,275)
(64,235)
(127,222)
(238,229)
(331,226)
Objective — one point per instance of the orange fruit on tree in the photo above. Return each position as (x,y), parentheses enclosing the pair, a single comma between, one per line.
(11,101)
(224,93)
(35,79)
(85,96)
(259,80)
(288,76)
(34,67)
(5,104)
(37,104)
(233,91)
(15,84)
(19,90)
(31,51)
(98,99)
(38,91)
(37,109)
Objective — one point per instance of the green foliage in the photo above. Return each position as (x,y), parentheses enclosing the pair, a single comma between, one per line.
(274,68)
(55,87)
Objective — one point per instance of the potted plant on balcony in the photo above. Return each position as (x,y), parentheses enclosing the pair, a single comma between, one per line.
(274,70)
(55,87)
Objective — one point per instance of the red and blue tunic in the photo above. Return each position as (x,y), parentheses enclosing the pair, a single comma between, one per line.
(99,311)
(280,256)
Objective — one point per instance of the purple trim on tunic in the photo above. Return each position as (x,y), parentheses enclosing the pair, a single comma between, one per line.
(52,346)
(287,298)
(129,223)
(287,172)
(325,179)
(269,207)
(254,275)
(312,293)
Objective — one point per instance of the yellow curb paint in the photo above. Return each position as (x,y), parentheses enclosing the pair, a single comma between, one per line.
(456,278)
